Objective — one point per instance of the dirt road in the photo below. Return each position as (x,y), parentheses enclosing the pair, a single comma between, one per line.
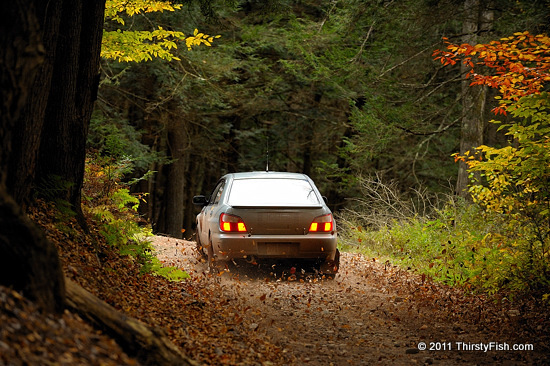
(371,313)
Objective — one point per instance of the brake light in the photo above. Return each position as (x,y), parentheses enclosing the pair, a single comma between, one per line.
(322,224)
(231,223)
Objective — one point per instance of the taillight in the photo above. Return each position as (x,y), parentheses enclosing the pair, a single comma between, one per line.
(322,224)
(231,223)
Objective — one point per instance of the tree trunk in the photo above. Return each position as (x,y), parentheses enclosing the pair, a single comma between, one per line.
(21,55)
(175,184)
(28,130)
(149,345)
(28,262)
(477,19)
(62,154)
(193,176)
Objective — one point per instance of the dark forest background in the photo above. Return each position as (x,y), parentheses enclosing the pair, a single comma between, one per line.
(335,89)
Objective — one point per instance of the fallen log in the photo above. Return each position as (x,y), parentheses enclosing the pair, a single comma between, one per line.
(149,345)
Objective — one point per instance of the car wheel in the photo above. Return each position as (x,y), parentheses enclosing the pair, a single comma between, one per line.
(210,255)
(331,267)
(200,247)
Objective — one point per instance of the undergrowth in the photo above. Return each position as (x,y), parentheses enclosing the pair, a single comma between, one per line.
(111,204)
(459,244)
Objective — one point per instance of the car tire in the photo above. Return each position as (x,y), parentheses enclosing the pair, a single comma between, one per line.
(210,255)
(200,248)
(330,268)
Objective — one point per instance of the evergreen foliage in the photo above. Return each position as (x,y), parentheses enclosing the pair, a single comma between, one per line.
(336,90)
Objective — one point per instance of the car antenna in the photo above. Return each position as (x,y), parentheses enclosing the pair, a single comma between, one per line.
(267,154)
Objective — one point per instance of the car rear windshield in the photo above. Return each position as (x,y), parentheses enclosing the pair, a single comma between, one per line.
(272,192)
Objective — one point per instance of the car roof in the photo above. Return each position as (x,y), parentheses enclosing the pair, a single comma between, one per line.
(268,174)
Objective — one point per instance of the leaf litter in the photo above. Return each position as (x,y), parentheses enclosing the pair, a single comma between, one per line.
(371,312)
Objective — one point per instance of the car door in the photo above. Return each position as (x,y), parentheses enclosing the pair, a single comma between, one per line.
(209,221)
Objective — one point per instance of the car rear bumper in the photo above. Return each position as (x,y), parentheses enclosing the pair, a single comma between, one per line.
(310,246)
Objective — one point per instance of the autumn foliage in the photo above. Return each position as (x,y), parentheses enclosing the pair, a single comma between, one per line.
(143,45)
(519,65)
(515,178)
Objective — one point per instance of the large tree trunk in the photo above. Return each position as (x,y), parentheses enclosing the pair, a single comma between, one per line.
(21,53)
(28,130)
(61,160)
(477,19)
(28,262)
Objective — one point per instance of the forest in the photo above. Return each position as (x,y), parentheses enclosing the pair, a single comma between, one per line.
(424,122)
(354,95)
